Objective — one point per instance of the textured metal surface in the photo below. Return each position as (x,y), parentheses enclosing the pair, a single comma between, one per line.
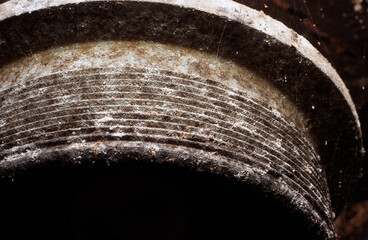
(112,113)
(228,9)
(140,54)
(222,88)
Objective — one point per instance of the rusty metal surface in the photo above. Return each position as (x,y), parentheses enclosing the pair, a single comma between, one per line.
(328,115)
(152,55)
(211,85)
(169,117)
(225,8)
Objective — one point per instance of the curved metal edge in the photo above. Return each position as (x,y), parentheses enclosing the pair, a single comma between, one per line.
(192,159)
(223,8)
(280,36)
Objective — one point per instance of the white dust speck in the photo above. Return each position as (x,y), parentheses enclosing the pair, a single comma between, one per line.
(2,122)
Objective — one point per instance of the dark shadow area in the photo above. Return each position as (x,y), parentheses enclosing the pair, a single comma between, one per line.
(139,201)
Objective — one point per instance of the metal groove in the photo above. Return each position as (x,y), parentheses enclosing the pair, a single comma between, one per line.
(151,127)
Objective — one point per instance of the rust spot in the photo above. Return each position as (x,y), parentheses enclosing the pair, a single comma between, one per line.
(95,148)
(153,151)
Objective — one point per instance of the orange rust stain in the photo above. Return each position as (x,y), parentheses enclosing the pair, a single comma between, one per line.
(95,152)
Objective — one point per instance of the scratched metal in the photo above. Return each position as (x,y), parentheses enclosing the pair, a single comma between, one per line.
(94,111)
(100,99)
(214,86)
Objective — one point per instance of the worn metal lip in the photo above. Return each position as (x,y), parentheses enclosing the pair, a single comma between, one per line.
(223,8)
(229,11)
(262,25)
(146,152)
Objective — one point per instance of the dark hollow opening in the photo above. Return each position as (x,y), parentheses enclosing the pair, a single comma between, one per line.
(139,201)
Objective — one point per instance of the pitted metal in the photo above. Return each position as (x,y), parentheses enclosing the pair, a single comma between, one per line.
(212,85)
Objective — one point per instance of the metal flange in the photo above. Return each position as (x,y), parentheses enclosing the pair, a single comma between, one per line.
(214,85)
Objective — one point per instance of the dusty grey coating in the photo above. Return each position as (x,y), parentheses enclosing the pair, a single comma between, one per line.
(86,119)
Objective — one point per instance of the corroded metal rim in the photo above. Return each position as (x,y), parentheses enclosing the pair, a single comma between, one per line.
(162,116)
(224,8)
(223,29)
